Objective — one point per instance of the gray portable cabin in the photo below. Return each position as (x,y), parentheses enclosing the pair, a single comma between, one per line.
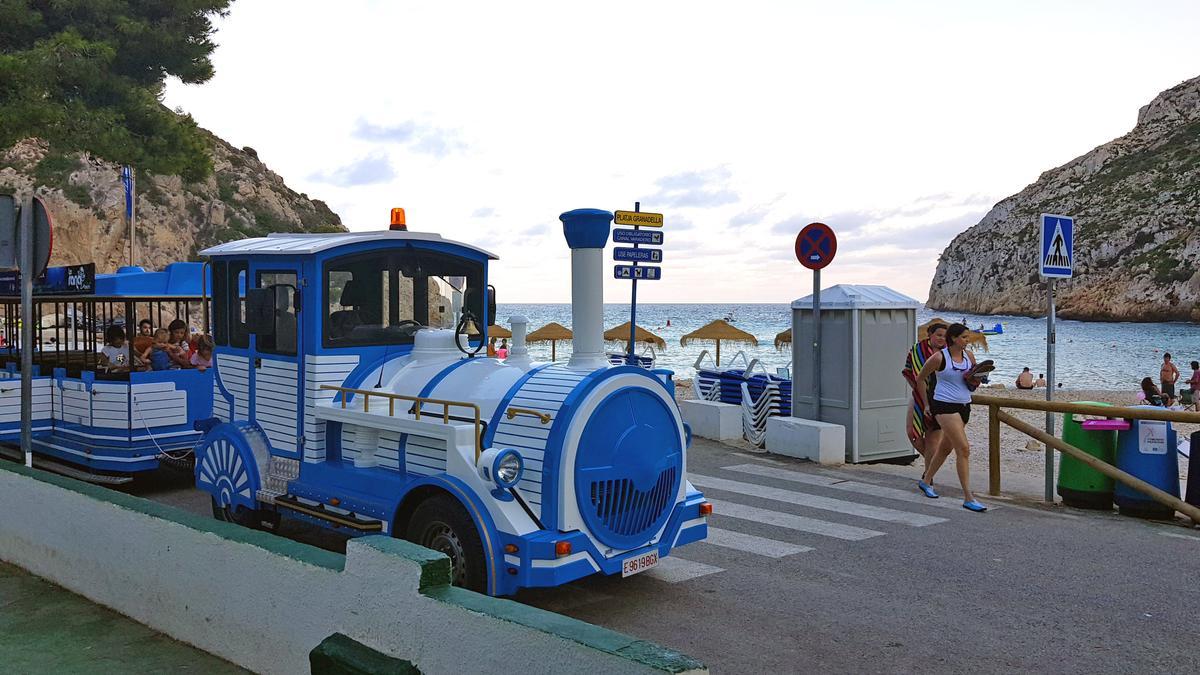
(866,332)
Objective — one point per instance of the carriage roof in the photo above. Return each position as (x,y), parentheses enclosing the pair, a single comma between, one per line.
(307,244)
(176,280)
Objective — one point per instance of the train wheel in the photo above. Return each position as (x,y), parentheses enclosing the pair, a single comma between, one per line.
(227,468)
(442,524)
(240,515)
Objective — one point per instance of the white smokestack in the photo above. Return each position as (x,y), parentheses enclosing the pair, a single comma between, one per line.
(586,231)
(518,353)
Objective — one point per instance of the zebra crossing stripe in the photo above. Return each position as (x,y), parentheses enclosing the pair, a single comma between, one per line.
(845,485)
(674,569)
(792,521)
(814,501)
(749,543)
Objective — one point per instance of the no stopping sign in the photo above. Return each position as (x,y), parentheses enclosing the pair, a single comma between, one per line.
(816,245)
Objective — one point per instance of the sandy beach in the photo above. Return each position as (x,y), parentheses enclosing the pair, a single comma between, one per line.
(1022,459)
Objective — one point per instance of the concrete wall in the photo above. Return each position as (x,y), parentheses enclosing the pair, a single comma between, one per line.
(264,602)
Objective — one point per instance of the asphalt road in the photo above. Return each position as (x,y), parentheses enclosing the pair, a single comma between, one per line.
(852,571)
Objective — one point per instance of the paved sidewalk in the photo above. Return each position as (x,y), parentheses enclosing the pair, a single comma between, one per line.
(48,629)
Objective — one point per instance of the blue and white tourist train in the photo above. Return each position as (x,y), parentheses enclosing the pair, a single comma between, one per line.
(348,392)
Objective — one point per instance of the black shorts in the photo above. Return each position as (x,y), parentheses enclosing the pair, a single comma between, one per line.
(963,410)
(1168,389)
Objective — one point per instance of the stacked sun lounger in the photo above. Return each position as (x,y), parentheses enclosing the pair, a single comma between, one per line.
(621,359)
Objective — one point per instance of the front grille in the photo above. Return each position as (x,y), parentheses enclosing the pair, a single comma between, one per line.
(626,511)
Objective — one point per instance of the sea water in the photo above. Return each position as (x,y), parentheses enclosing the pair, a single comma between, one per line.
(1089,355)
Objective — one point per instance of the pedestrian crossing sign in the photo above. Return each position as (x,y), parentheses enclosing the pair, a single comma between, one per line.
(1057,250)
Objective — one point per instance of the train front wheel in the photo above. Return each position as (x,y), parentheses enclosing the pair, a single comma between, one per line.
(442,524)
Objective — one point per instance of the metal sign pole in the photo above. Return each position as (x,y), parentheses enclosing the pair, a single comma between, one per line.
(630,358)
(816,370)
(132,217)
(1050,389)
(26,278)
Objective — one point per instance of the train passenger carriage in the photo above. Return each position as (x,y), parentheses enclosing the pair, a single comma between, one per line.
(348,391)
(91,422)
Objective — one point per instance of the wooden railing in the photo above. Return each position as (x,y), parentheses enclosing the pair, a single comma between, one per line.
(417,401)
(996,416)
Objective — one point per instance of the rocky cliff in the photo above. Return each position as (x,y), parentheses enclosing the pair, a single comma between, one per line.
(1136,201)
(242,198)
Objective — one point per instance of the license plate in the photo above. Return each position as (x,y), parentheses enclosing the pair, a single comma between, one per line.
(641,563)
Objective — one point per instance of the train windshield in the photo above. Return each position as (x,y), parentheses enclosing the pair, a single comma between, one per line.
(384,297)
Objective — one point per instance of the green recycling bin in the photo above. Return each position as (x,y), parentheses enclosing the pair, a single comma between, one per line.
(1080,485)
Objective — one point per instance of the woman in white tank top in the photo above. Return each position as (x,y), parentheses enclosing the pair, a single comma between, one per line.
(951,407)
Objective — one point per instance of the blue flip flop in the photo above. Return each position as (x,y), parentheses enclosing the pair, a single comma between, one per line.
(927,489)
(975,506)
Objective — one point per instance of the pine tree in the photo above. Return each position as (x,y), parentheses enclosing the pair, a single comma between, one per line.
(88,75)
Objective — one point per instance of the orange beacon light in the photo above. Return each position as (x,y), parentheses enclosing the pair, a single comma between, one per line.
(398,219)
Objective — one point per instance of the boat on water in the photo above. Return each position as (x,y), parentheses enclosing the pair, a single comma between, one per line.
(997,329)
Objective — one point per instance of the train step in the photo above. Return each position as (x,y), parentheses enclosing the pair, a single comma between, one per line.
(337,517)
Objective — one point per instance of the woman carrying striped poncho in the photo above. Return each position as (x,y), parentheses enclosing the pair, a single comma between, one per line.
(923,431)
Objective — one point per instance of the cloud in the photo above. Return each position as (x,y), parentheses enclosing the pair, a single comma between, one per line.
(374,168)
(678,223)
(705,188)
(843,222)
(536,230)
(483,212)
(921,235)
(418,137)
(750,216)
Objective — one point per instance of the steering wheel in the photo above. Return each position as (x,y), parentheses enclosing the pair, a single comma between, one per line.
(464,321)
(408,322)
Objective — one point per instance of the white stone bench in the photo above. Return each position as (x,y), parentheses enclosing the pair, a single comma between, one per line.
(712,419)
(821,442)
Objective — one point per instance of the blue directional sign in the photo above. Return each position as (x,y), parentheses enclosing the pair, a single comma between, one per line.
(652,237)
(1057,252)
(643,273)
(652,255)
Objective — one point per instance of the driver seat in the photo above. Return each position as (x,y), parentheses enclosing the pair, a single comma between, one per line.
(342,322)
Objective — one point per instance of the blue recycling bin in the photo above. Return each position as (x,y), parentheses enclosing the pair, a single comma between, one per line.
(1147,450)
(1193,481)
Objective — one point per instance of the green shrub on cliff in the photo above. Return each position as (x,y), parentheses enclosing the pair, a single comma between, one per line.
(88,75)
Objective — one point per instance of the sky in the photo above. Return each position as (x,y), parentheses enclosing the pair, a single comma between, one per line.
(899,124)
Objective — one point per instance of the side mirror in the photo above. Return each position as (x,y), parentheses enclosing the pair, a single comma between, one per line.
(260,311)
(491,304)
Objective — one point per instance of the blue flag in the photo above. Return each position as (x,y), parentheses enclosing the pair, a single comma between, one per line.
(127,180)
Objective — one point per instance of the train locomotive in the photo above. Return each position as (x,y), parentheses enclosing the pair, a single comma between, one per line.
(348,391)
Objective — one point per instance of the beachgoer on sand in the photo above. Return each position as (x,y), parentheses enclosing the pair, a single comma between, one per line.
(1025,379)
(1168,374)
(956,372)
(1194,384)
(1150,393)
(923,431)
(1041,381)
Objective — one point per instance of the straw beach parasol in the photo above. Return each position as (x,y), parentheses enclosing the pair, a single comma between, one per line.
(784,338)
(717,331)
(621,334)
(497,331)
(974,339)
(552,333)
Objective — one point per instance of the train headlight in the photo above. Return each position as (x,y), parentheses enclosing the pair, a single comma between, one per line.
(504,466)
